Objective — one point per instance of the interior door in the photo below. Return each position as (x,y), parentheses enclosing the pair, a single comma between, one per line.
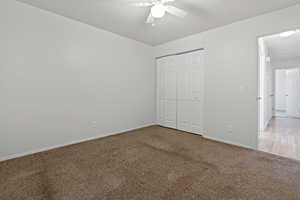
(268,93)
(280,90)
(261,91)
(293,97)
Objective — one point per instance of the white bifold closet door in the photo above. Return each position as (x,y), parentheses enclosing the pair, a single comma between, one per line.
(167,92)
(181,92)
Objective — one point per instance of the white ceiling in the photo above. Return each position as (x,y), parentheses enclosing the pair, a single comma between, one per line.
(284,49)
(121,18)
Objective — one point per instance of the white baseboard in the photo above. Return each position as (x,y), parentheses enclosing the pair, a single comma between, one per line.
(9,157)
(228,142)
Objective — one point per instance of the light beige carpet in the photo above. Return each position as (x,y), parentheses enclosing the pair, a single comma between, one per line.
(152,163)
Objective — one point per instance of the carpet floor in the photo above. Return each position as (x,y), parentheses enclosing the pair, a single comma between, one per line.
(152,163)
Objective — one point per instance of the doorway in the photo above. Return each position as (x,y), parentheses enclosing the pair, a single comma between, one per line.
(279,94)
(287,93)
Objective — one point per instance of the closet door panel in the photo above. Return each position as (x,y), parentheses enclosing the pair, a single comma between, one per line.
(170,97)
(167,93)
(170,84)
(183,97)
(196,118)
(184,110)
(161,114)
(190,99)
(159,92)
(170,110)
(183,85)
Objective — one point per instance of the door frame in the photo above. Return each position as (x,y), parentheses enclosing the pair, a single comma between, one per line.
(258,75)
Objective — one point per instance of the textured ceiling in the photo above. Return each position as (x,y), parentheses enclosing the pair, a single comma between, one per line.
(119,17)
(284,49)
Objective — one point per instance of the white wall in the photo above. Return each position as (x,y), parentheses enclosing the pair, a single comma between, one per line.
(231,64)
(63,81)
(286,64)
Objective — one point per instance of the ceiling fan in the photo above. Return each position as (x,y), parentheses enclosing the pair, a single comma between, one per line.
(159,8)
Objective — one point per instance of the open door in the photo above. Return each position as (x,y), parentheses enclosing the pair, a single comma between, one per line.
(261,75)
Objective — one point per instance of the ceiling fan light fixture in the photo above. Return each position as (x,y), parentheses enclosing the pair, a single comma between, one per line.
(158,11)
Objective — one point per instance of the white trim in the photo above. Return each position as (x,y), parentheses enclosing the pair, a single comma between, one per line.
(228,142)
(9,157)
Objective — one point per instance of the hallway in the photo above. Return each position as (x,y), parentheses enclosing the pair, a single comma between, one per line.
(282,137)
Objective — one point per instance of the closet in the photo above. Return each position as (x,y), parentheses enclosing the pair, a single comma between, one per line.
(180,92)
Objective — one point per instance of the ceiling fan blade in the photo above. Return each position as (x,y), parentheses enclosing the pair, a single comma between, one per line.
(176,11)
(142,4)
(150,19)
(167,1)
